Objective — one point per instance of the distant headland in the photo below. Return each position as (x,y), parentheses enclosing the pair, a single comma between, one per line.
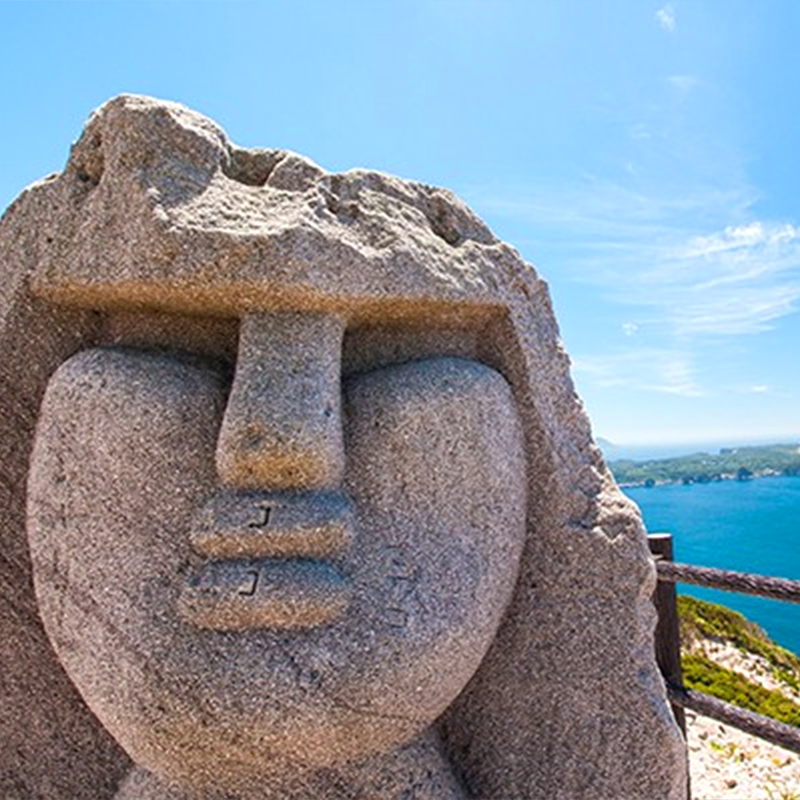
(729,463)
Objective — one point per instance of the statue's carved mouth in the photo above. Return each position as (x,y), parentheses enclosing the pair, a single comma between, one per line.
(268,561)
(267,593)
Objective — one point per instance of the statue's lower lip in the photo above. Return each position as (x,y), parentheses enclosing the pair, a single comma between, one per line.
(269,593)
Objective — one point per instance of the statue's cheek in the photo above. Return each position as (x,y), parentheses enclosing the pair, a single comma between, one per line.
(436,471)
(124,453)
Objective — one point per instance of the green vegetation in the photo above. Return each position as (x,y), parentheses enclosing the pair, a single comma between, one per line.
(701,621)
(706,676)
(739,463)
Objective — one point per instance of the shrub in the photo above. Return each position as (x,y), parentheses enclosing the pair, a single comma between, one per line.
(704,675)
(699,619)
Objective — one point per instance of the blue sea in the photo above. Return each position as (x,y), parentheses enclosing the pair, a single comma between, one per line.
(751,526)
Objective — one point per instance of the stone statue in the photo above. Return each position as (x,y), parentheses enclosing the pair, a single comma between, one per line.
(312,508)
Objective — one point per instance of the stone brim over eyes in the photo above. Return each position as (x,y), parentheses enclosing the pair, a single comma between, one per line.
(204,226)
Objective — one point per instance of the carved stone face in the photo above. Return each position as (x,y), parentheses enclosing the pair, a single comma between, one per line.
(282,573)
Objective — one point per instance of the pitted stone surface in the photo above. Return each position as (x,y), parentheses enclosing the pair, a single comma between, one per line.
(453,600)
(123,457)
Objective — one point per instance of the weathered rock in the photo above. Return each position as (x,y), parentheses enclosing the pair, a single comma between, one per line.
(313,508)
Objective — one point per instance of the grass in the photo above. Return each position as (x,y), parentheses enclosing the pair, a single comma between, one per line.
(778,792)
(704,675)
(701,620)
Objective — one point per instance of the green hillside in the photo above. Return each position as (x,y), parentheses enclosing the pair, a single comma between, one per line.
(735,463)
(703,623)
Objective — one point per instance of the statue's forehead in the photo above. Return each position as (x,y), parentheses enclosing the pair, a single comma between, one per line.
(157,210)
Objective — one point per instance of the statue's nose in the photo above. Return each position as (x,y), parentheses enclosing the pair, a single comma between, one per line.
(282,427)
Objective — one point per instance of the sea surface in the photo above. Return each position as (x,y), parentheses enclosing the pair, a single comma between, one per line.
(751,526)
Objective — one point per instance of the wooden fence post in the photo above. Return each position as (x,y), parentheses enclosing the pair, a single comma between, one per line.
(668,637)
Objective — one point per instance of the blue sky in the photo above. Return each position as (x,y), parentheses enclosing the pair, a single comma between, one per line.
(643,155)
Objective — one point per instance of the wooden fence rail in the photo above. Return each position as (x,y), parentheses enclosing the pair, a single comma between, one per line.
(766,728)
(668,645)
(741,582)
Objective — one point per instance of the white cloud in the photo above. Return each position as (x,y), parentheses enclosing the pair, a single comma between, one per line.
(735,281)
(742,238)
(668,253)
(629,328)
(646,369)
(666,18)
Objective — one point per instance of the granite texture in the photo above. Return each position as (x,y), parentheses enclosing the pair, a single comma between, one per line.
(313,509)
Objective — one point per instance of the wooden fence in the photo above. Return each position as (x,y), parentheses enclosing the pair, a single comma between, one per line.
(668,645)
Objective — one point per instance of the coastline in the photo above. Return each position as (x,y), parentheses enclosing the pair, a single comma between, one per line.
(728,464)
(646,484)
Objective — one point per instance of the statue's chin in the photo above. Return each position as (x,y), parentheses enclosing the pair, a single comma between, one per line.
(384,776)
(232,755)
(208,715)
(207,707)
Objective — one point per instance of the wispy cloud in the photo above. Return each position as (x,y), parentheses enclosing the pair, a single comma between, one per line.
(609,213)
(666,18)
(739,280)
(645,369)
(629,328)
(640,132)
(686,270)
(669,254)
(741,238)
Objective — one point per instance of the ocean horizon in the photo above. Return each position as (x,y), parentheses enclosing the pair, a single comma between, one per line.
(653,451)
(749,526)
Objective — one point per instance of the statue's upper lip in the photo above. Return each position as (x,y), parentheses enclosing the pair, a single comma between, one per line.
(236,524)
(267,560)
